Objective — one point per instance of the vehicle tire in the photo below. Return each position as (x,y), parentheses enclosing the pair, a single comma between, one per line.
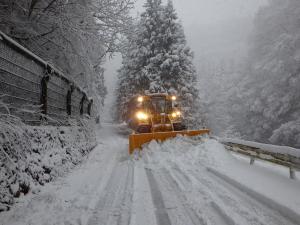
(144,129)
(179,126)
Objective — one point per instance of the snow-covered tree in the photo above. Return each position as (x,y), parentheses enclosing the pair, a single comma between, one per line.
(217,83)
(158,60)
(270,90)
(74,35)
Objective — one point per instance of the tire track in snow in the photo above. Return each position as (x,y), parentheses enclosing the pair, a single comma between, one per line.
(126,201)
(234,202)
(101,175)
(73,199)
(209,210)
(286,213)
(113,206)
(160,211)
(224,204)
(225,198)
(178,209)
(189,188)
(143,210)
(199,209)
(68,199)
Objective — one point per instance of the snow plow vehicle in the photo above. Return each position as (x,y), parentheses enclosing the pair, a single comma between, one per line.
(156,117)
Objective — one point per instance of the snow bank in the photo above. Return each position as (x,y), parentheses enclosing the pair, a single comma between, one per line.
(197,156)
(186,151)
(288,212)
(32,156)
(285,150)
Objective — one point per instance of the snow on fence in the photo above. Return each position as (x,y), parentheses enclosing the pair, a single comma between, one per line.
(27,83)
(281,155)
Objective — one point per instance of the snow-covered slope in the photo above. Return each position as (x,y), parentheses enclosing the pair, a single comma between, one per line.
(31,156)
(181,181)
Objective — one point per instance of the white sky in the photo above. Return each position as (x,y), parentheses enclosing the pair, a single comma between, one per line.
(214,29)
(210,11)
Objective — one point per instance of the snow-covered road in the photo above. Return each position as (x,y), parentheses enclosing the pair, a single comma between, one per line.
(178,182)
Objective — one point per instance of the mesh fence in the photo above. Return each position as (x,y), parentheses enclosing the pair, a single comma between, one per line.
(34,90)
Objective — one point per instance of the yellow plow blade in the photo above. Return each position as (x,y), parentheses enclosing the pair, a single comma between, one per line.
(137,140)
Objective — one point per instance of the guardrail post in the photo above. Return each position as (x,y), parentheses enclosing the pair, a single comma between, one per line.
(252,160)
(82,103)
(89,109)
(69,100)
(292,173)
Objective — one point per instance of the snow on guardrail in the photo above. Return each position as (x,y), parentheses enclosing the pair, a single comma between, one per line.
(281,155)
(285,150)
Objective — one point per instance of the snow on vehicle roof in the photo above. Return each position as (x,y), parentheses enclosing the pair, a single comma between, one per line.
(157,94)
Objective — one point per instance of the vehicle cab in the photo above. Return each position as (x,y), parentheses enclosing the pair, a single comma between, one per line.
(155,113)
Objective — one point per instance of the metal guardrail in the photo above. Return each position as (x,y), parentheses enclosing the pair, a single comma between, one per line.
(286,160)
(26,79)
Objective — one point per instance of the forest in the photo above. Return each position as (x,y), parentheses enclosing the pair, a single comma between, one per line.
(257,98)
(73,35)
(254,98)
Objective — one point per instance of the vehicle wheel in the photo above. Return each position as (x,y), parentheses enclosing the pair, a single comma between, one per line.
(179,126)
(144,129)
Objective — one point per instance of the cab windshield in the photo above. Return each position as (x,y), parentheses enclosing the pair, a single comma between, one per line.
(159,105)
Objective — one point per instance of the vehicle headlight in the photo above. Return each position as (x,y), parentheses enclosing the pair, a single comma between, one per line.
(140,99)
(176,114)
(141,116)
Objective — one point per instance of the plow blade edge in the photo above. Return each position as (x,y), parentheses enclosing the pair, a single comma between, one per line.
(137,140)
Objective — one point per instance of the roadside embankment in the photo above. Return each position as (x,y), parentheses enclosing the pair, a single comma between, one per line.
(31,156)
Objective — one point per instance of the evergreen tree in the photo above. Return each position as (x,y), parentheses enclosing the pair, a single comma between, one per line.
(269,92)
(159,61)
